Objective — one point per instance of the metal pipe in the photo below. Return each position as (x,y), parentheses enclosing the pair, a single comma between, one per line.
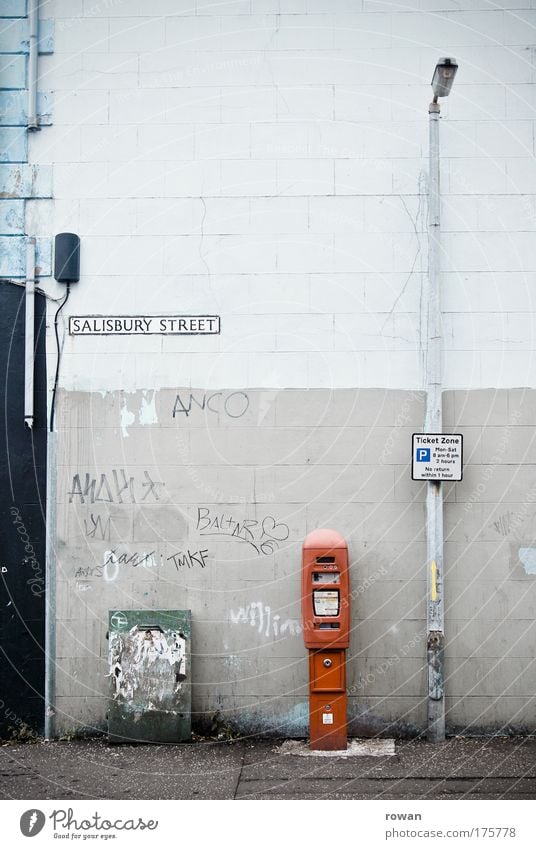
(434,424)
(29,334)
(33,24)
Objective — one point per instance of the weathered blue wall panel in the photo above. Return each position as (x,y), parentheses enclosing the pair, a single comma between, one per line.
(13,9)
(25,181)
(18,179)
(11,217)
(13,144)
(14,108)
(14,36)
(13,71)
(12,256)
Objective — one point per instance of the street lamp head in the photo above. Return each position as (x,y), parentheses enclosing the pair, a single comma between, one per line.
(444,74)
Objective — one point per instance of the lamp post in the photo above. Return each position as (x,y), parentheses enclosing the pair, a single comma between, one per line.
(442,80)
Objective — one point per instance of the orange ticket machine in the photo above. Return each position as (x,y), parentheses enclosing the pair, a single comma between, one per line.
(326,632)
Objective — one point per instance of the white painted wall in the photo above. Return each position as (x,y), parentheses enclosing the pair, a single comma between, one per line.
(267,160)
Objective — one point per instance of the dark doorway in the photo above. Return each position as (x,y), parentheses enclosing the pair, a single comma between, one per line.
(22,522)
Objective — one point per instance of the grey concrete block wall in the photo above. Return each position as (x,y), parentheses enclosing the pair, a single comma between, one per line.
(197,499)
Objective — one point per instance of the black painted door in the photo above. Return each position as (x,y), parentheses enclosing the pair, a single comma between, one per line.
(22,522)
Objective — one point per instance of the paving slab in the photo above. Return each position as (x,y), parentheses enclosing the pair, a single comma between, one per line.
(460,768)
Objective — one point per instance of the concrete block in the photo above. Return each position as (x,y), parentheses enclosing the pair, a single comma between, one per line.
(506,368)
(82,180)
(223,141)
(117,217)
(175,144)
(505,138)
(477,291)
(248,178)
(137,106)
(305,254)
(268,215)
(249,32)
(478,713)
(87,35)
(509,444)
(520,102)
(141,256)
(392,291)
(474,331)
(194,32)
(251,103)
(363,103)
(77,108)
(381,677)
(304,177)
(166,216)
(505,675)
(460,28)
(279,141)
(395,600)
(303,103)
(137,179)
(232,7)
(336,214)
(196,179)
(520,179)
(363,177)
(501,251)
(481,177)
(273,294)
(108,144)
(521,405)
(336,483)
(483,560)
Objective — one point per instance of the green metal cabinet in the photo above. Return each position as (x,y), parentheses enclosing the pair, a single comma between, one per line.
(150,676)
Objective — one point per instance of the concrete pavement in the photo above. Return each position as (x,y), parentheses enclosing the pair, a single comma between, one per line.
(494,768)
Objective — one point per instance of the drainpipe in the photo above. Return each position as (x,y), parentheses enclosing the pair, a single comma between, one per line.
(434,424)
(29,333)
(33,22)
(50,592)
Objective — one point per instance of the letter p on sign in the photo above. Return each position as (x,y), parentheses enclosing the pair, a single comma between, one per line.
(423,455)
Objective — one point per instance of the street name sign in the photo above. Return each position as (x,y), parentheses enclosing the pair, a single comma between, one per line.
(144,325)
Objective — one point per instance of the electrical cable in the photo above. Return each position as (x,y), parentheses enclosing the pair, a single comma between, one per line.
(58,356)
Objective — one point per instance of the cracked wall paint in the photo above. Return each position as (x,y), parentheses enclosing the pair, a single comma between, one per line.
(527,557)
(127,419)
(147,414)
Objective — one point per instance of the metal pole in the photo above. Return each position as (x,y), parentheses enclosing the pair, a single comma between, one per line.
(29,333)
(33,26)
(434,424)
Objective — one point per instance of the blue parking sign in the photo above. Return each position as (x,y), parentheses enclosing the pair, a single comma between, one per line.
(422,455)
